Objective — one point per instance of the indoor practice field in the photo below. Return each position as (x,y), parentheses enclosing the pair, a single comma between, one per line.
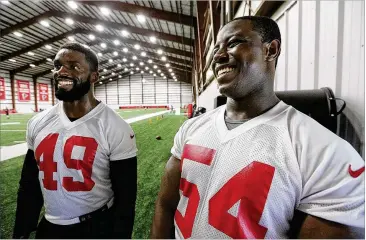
(152,157)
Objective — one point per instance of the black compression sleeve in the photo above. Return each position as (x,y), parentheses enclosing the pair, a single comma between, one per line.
(124,184)
(30,199)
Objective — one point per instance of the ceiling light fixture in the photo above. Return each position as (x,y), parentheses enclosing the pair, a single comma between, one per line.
(18,34)
(124,33)
(115,53)
(103,45)
(99,27)
(100,54)
(160,51)
(141,18)
(153,39)
(137,47)
(71,38)
(69,21)
(105,11)
(116,42)
(163,58)
(91,37)
(72,4)
(32,65)
(44,23)
(125,50)
(48,46)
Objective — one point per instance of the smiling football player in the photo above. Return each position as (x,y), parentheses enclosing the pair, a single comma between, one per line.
(81,161)
(256,167)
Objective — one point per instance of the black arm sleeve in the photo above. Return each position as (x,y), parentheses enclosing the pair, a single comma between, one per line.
(124,184)
(30,199)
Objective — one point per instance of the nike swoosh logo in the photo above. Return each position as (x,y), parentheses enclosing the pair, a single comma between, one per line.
(355,173)
(132,135)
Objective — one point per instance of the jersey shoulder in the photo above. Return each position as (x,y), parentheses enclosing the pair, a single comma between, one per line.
(110,116)
(311,140)
(206,119)
(40,120)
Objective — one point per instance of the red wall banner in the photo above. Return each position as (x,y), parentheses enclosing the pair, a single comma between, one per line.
(23,91)
(43,92)
(2,88)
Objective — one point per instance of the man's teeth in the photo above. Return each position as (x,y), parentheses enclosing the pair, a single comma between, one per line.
(225,70)
(63,83)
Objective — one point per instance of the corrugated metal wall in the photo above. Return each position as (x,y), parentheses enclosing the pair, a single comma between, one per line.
(323,46)
(153,91)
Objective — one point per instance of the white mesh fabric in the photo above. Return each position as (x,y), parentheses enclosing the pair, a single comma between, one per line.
(273,139)
(112,135)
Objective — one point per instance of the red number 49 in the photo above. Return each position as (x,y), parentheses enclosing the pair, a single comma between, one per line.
(250,186)
(46,150)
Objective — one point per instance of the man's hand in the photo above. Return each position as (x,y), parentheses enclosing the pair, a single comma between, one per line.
(167,202)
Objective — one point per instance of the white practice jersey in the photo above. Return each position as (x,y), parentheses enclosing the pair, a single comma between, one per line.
(247,182)
(74,159)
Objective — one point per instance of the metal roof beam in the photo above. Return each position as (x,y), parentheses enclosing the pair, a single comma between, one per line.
(131,29)
(40,44)
(147,11)
(26,23)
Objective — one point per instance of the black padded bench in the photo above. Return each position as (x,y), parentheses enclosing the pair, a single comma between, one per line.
(320,104)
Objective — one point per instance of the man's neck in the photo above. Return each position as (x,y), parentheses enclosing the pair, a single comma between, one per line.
(80,108)
(251,106)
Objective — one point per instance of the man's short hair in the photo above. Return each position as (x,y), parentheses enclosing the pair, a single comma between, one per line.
(265,26)
(90,55)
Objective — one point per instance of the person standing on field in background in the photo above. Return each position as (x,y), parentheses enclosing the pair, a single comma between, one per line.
(257,167)
(81,161)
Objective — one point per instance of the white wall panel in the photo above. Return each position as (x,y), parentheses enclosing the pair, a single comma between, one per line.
(308,44)
(7,103)
(281,70)
(154,91)
(24,106)
(207,98)
(292,47)
(328,40)
(44,104)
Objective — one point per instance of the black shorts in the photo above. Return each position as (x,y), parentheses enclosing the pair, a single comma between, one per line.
(100,226)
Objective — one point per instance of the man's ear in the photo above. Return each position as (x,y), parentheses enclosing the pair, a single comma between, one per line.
(94,77)
(272,50)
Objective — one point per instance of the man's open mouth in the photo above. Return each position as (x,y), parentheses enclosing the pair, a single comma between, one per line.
(65,83)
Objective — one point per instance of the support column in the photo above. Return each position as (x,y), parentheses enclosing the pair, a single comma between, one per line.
(12,85)
(35,89)
(53,91)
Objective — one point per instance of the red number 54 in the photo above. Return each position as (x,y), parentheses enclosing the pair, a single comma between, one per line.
(47,148)
(250,186)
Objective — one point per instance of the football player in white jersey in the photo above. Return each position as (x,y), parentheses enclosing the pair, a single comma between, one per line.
(256,167)
(81,161)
